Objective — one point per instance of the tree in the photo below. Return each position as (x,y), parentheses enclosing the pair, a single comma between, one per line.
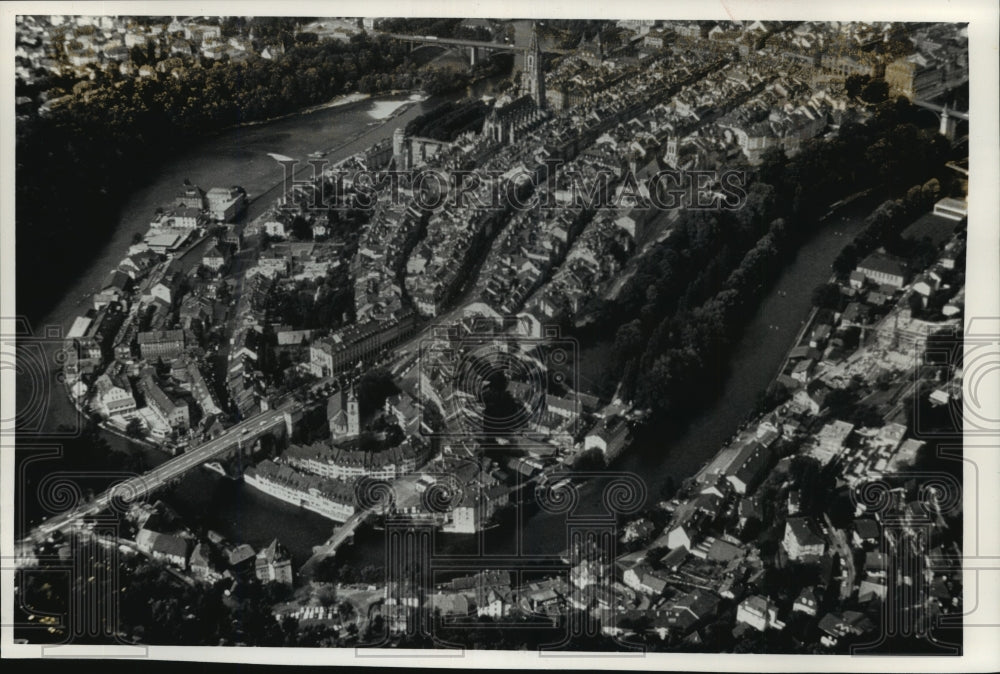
(301,229)
(628,340)
(847,260)
(854,84)
(373,388)
(827,296)
(135,428)
(875,91)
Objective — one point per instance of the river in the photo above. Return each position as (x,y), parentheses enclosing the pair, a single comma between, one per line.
(754,364)
(239,156)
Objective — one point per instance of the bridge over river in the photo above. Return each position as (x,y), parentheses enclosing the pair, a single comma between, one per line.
(475,47)
(237,440)
(341,535)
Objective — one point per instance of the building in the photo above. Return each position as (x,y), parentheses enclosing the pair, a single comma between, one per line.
(343,415)
(170,549)
(919,76)
(634,222)
(953,209)
(191,196)
(883,270)
(240,556)
(186,371)
(683,531)
(866,532)
(608,436)
(748,468)
(759,613)
(225,204)
(116,398)
(407,412)
(691,609)
(79,327)
(836,626)
(173,413)
(478,505)
(166,239)
(356,343)
(215,258)
(333,499)
(830,440)
(806,602)
(846,64)
(274,564)
(505,123)
(272,263)
(450,604)
(889,437)
(160,344)
(178,218)
(535,76)
(801,542)
(201,564)
(655,39)
(642,578)
(346,464)
(591,51)
(138,264)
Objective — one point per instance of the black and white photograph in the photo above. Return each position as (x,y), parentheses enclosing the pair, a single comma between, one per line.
(533,337)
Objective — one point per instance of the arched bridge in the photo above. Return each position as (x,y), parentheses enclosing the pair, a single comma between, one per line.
(476,47)
(235,440)
(948,117)
(941,110)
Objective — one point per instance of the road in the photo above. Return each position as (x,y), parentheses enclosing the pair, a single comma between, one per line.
(839,540)
(142,485)
(452,42)
(340,534)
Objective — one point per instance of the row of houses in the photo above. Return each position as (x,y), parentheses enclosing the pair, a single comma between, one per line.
(347,464)
(208,561)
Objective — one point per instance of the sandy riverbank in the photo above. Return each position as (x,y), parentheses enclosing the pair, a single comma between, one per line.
(339,101)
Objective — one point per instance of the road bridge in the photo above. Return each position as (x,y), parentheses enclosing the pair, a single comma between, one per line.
(947,116)
(236,441)
(340,535)
(476,47)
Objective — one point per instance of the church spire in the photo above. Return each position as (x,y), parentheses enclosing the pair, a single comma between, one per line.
(533,69)
(533,44)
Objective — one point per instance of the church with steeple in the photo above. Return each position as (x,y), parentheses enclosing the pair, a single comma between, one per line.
(509,119)
(533,78)
(344,415)
(591,51)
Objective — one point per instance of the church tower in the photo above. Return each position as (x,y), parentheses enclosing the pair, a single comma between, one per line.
(671,156)
(533,70)
(401,149)
(353,414)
